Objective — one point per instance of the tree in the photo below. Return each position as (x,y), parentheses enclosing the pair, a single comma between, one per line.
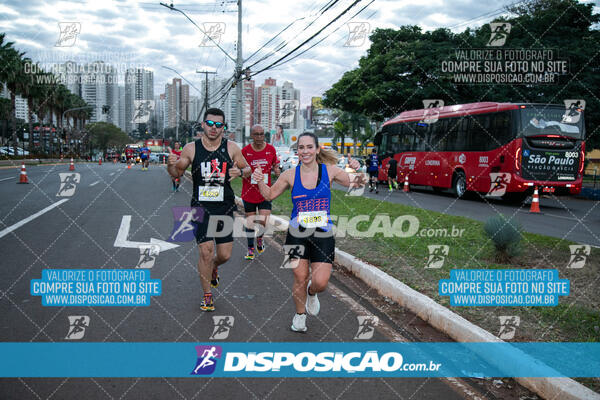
(104,135)
(404,66)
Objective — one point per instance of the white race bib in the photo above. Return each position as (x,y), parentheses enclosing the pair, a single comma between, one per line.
(312,219)
(210,193)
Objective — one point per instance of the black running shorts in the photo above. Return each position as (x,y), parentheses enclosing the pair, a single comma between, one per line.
(220,228)
(319,246)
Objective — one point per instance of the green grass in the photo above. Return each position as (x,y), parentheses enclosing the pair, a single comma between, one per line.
(405,258)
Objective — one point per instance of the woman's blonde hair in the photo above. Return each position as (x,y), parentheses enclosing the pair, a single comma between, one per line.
(324,156)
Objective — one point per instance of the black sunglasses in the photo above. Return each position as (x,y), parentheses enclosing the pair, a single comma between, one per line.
(213,123)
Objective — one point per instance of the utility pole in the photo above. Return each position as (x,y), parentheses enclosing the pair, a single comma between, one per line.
(206,105)
(240,137)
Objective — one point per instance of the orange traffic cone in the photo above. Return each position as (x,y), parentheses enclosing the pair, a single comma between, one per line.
(128,166)
(23,176)
(535,202)
(406,187)
(100,161)
(72,166)
(114,160)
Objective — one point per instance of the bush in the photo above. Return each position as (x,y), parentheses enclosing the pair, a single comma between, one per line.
(506,236)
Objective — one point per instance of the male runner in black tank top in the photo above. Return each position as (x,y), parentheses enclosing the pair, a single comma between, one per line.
(215,161)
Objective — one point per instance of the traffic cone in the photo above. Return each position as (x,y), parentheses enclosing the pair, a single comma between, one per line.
(100,161)
(23,176)
(535,202)
(406,188)
(114,160)
(72,166)
(128,166)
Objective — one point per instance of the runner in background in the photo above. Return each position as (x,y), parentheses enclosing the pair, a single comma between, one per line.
(392,171)
(373,170)
(145,157)
(311,228)
(262,155)
(177,151)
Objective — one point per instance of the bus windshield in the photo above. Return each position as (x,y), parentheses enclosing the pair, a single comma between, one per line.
(550,121)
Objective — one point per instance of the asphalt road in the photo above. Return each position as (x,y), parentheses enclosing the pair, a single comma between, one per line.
(563,217)
(80,233)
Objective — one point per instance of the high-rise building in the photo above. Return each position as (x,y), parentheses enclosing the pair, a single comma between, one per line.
(160,112)
(122,124)
(177,98)
(267,105)
(139,85)
(195,107)
(98,87)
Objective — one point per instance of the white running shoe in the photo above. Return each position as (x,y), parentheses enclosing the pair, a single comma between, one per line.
(312,302)
(299,323)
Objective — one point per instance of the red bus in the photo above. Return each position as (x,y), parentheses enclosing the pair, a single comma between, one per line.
(492,148)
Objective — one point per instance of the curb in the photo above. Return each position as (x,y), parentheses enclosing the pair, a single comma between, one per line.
(447,321)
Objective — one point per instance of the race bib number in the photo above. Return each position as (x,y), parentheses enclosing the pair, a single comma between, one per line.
(313,219)
(210,193)
(265,179)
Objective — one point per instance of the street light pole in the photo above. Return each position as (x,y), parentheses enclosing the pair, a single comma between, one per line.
(239,81)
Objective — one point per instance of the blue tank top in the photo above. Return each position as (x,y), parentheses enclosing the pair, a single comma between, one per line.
(311,206)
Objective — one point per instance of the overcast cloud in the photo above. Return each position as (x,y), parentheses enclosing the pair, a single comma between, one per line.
(143,33)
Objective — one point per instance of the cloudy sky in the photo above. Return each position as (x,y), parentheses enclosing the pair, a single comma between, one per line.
(144,33)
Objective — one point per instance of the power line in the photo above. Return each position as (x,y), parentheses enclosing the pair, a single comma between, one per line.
(309,39)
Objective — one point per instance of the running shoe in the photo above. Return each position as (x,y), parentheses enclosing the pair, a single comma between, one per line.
(214,282)
(396,185)
(312,302)
(299,323)
(260,246)
(207,303)
(250,255)
(370,189)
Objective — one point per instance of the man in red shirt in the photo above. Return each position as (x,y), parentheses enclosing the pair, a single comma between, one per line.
(258,154)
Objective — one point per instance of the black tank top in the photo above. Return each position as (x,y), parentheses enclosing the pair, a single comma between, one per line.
(210,176)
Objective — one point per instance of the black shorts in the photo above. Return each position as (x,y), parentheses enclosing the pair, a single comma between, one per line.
(221,229)
(319,246)
(392,175)
(254,207)
(374,174)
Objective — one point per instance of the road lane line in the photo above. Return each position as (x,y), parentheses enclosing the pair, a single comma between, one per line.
(31,218)
(111,174)
(5,179)
(94,183)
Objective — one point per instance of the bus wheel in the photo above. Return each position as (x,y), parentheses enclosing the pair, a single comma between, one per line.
(459,184)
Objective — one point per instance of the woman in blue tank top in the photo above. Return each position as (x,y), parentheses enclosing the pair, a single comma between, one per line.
(310,244)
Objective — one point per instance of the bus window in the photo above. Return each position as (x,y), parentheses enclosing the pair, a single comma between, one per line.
(502,127)
(420,137)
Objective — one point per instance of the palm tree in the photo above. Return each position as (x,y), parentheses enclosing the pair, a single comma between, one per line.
(13,75)
(32,91)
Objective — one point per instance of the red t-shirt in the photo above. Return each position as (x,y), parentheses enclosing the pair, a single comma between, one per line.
(265,158)
(177,153)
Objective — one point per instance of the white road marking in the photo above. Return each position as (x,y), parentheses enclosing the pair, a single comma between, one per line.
(111,174)
(122,241)
(94,183)
(5,179)
(31,218)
